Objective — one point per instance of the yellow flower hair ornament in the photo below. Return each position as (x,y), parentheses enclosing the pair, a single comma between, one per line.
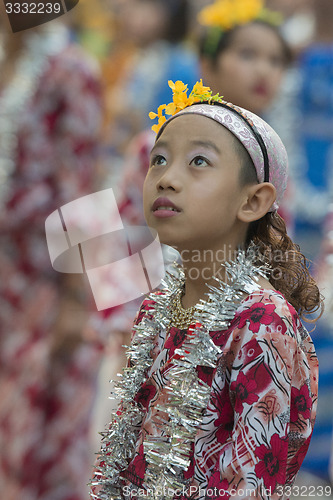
(199,93)
(226,14)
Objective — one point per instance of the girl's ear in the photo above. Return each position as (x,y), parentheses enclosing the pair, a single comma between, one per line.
(258,200)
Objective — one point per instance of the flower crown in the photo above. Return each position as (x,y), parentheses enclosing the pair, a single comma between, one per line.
(225,14)
(199,93)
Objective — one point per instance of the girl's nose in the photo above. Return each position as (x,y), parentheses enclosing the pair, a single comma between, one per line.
(263,67)
(170,179)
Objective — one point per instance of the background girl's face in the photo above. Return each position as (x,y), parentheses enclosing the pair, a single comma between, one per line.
(143,21)
(248,73)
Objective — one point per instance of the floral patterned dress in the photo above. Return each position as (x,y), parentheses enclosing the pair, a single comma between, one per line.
(46,391)
(258,424)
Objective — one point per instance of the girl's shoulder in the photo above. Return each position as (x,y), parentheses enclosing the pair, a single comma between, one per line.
(268,298)
(267,311)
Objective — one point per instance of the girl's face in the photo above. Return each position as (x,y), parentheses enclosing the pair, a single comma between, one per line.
(143,21)
(248,73)
(194,168)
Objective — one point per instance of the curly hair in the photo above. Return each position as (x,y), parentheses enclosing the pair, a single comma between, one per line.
(290,268)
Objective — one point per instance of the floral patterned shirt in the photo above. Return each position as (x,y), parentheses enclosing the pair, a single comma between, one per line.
(258,424)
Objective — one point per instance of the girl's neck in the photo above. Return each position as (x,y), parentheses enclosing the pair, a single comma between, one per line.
(200,268)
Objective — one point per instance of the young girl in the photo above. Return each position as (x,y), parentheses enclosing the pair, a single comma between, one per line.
(245,55)
(246,60)
(219,396)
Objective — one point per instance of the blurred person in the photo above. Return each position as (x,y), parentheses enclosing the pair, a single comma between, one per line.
(50,116)
(320,457)
(92,26)
(151,35)
(313,194)
(245,62)
(299,24)
(315,108)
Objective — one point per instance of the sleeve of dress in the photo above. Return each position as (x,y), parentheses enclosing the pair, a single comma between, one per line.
(264,408)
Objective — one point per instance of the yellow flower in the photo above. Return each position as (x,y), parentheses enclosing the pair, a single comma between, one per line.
(170,109)
(153,115)
(200,90)
(179,86)
(192,99)
(226,14)
(180,101)
(161,120)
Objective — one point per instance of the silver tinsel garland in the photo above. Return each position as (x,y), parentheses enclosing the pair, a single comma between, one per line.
(168,457)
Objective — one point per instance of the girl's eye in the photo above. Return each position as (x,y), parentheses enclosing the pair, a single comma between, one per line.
(200,161)
(158,160)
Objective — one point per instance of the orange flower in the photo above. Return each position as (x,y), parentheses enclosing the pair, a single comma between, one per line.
(199,88)
(161,120)
(226,14)
(180,101)
(179,86)
(171,109)
(153,115)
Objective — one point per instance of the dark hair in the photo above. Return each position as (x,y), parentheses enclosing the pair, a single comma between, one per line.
(290,267)
(215,41)
(178,19)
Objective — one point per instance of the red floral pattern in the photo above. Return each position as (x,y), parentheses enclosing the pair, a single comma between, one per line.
(302,403)
(261,314)
(245,391)
(217,488)
(247,439)
(273,461)
(145,394)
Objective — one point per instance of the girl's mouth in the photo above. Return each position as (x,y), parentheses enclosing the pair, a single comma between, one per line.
(165,211)
(163,207)
(261,90)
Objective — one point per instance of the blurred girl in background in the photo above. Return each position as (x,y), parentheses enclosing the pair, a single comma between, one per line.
(50,118)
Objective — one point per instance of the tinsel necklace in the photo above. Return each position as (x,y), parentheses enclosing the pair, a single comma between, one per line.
(168,458)
(30,65)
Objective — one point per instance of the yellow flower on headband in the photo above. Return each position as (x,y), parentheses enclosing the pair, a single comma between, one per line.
(180,101)
(226,14)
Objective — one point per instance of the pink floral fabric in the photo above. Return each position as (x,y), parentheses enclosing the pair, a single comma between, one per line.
(258,424)
(46,394)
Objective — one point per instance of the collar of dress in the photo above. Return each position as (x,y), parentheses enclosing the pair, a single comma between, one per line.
(167,458)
